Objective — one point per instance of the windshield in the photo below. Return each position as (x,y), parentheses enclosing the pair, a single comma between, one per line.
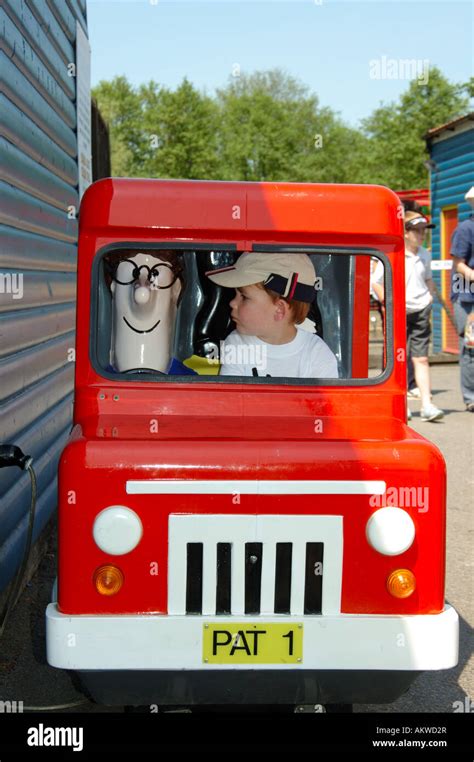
(225,316)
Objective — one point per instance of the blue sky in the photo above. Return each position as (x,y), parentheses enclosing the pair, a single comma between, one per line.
(329,45)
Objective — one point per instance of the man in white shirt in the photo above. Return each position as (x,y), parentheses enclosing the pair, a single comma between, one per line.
(273,296)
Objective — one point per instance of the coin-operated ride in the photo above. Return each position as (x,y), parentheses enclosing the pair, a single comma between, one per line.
(243,539)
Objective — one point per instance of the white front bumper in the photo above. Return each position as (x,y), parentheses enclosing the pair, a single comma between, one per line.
(342,642)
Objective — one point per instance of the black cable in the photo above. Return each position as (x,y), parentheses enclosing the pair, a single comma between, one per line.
(10,455)
(54,707)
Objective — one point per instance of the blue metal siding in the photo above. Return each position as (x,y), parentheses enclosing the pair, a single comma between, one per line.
(43,33)
(454,158)
(23,94)
(31,177)
(47,70)
(38,243)
(21,131)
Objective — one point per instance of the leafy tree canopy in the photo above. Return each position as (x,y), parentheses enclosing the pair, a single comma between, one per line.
(268,126)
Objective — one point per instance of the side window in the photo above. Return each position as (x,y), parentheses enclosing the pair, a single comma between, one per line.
(155,309)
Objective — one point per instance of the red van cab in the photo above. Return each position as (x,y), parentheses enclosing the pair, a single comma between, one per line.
(246,539)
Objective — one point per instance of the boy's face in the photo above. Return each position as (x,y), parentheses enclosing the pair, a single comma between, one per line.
(254,311)
(415,236)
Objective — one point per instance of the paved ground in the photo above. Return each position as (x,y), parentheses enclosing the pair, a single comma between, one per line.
(454,435)
(25,675)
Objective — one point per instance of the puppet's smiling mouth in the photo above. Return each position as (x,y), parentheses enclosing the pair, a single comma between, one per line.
(149,330)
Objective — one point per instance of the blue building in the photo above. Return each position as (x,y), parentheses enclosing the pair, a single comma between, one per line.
(43,157)
(451,149)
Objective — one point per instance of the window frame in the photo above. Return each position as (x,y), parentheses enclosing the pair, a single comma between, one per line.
(272,381)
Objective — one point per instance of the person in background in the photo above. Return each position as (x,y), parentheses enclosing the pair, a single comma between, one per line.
(410,205)
(376,275)
(462,297)
(419,299)
(377,299)
(419,289)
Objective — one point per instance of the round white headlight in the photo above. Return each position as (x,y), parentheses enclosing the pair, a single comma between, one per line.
(390,531)
(117,530)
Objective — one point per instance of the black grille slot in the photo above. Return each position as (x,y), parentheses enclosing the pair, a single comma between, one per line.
(253,576)
(313,592)
(194,578)
(284,551)
(223,586)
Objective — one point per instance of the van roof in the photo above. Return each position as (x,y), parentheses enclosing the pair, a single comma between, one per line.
(229,210)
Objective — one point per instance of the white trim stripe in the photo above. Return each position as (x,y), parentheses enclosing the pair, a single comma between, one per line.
(253,487)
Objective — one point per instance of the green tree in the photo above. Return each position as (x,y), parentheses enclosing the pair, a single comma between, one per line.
(268,126)
(272,128)
(469,87)
(180,129)
(120,107)
(397,152)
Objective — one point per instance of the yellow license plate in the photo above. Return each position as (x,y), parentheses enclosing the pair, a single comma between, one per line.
(246,643)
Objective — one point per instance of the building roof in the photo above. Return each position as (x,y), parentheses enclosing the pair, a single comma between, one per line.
(451,126)
(421,195)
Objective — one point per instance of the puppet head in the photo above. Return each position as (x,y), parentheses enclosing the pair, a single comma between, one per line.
(146,289)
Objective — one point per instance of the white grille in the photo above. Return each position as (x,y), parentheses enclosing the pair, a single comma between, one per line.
(238,530)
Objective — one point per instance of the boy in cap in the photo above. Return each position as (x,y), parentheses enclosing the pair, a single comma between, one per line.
(419,290)
(273,296)
(419,300)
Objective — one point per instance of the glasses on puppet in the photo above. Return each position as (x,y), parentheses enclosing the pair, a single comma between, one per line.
(160,276)
(124,271)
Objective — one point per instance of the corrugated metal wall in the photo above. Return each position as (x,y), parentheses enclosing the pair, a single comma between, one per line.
(38,185)
(454,156)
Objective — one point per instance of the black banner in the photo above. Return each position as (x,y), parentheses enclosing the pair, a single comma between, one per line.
(86,736)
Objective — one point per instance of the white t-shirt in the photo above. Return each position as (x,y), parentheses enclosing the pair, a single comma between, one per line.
(306,356)
(376,276)
(417,272)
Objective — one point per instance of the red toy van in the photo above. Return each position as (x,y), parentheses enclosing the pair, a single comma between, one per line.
(244,539)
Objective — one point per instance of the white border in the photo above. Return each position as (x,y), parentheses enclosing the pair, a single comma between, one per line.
(253,487)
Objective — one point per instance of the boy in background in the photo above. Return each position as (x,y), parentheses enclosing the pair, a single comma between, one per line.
(419,291)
